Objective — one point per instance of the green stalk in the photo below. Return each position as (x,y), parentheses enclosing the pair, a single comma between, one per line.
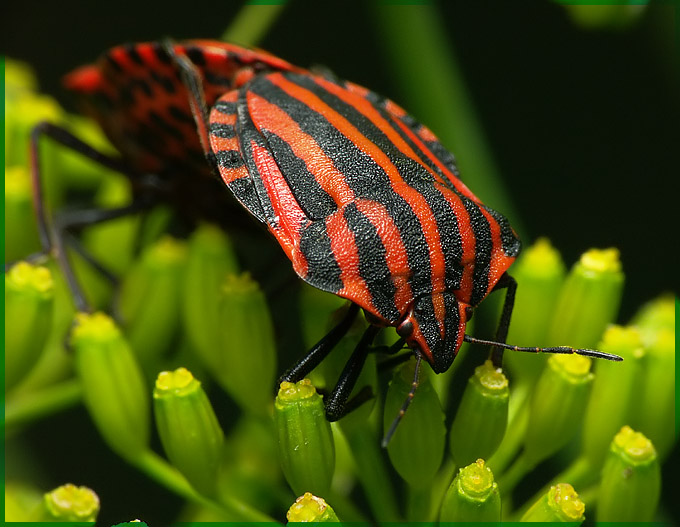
(253,22)
(372,473)
(434,91)
(34,405)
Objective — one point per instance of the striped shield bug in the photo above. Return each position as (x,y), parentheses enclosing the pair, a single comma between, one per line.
(364,200)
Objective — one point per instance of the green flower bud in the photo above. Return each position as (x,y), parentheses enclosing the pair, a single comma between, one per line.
(560,504)
(557,405)
(654,400)
(19,79)
(245,359)
(309,508)
(211,258)
(150,299)
(615,388)
(306,447)
(29,301)
(121,233)
(190,433)
(69,503)
(113,387)
(21,231)
(589,300)
(417,447)
(604,16)
(655,315)
(26,110)
(631,480)
(479,425)
(252,472)
(78,171)
(472,497)
(23,502)
(540,273)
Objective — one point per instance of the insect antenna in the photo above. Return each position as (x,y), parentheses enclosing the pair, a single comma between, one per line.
(405,405)
(558,349)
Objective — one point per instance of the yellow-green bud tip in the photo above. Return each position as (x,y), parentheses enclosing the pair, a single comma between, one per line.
(542,256)
(307,508)
(290,392)
(601,261)
(168,249)
(476,480)
(634,445)
(575,366)
(567,501)
(97,326)
(17,182)
(178,381)
(73,503)
(239,283)
(490,377)
(627,339)
(27,276)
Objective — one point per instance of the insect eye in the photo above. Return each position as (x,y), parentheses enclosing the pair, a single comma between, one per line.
(405,329)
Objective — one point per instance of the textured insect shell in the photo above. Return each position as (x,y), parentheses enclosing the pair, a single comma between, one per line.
(359,197)
(136,94)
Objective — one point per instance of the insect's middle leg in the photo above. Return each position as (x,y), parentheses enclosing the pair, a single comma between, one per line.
(53,234)
(506,282)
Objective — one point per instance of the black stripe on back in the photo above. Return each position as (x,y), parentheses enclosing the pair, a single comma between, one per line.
(247,133)
(415,175)
(483,246)
(225,107)
(372,262)
(323,270)
(313,199)
(365,177)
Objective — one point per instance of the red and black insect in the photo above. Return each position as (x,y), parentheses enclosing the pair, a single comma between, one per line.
(365,201)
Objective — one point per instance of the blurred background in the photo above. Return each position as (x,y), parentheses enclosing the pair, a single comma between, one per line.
(579,111)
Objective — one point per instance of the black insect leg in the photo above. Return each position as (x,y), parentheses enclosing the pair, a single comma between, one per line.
(193,81)
(322,348)
(52,235)
(510,284)
(336,403)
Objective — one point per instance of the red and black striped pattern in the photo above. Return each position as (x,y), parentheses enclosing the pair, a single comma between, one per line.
(137,95)
(365,202)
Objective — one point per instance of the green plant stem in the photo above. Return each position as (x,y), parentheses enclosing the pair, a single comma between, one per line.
(161,471)
(418,504)
(431,82)
(518,418)
(34,405)
(372,472)
(579,474)
(441,484)
(252,22)
(520,468)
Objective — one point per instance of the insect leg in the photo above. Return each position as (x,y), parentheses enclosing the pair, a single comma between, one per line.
(322,348)
(505,282)
(336,404)
(52,235)
(193,81)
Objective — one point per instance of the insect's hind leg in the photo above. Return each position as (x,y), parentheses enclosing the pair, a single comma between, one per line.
(52,235)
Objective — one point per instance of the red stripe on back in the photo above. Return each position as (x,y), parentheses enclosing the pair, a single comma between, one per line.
(269,116)
(411,196)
